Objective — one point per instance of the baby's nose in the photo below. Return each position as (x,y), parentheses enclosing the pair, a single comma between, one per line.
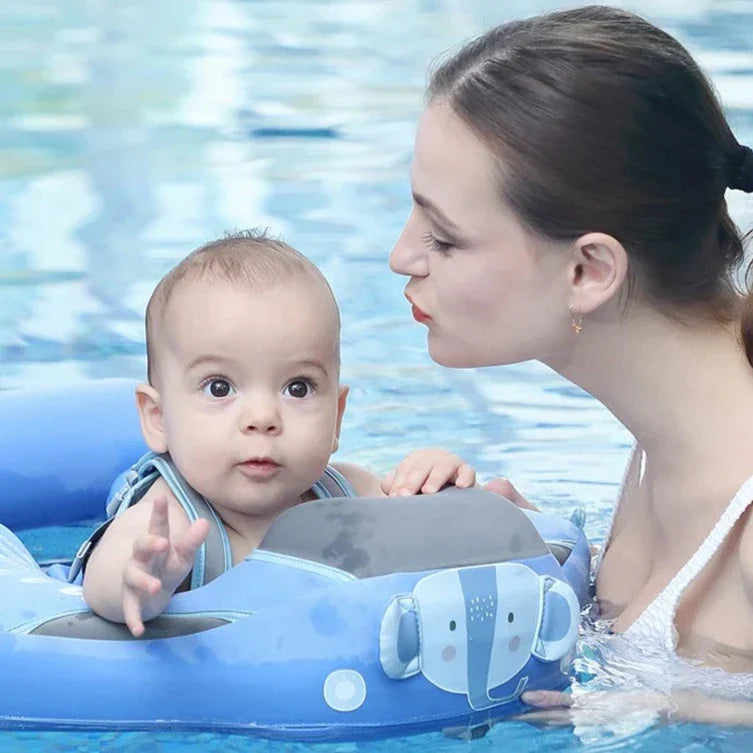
(261,416)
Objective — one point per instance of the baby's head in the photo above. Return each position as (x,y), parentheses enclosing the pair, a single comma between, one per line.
(248,259)
(243,368)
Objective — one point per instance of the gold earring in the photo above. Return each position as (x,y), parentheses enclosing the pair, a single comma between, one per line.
(576,320)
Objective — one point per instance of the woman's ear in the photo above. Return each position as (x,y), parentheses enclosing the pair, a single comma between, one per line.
(150,414)
(342,399)
(598,267)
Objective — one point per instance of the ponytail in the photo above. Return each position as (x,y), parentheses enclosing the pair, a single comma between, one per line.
(741,178)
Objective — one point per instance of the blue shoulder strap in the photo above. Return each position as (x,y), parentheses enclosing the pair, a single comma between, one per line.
(212,558)
(332,484)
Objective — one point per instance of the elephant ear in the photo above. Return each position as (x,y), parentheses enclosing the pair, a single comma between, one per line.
(559,620)
(399,639)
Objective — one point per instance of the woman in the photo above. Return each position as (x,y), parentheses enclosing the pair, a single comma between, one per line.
(569,182)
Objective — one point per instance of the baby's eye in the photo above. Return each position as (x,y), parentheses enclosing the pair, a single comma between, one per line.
(299,388)
(218,388)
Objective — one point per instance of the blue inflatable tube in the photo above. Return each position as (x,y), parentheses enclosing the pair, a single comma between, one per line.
(356,618)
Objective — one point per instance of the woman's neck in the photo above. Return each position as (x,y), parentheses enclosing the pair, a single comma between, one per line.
(685,391)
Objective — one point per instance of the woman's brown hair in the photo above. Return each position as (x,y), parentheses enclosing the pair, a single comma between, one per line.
(603,122)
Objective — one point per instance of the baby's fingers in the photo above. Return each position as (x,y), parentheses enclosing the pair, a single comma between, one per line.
(466,476)
(132,613)
(138,581)
(147,548)
(159,523)
(409,480)
(186,545)
(441,473)
(387,481)
(137,585)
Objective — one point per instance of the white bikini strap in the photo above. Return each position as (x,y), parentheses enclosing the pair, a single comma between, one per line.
(665,604)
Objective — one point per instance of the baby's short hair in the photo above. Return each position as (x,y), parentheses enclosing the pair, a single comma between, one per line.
(247,257)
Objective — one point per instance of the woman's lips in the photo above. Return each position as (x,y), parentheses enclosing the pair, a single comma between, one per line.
(418,314)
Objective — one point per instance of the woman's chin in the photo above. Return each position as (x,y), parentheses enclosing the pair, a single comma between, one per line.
(451,358)
(457,358)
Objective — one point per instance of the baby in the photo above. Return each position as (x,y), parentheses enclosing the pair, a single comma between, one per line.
(244,400)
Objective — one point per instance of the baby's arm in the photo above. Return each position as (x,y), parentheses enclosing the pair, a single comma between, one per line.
(421,472)
(143,557)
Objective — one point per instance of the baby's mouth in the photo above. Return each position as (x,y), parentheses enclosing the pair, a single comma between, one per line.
(260,465)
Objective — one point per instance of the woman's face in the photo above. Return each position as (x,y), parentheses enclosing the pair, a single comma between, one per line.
(488,291)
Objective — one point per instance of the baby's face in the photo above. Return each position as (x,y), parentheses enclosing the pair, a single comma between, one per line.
(248,380)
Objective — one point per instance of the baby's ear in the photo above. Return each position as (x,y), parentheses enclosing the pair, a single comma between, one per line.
(150,414)
(342,399)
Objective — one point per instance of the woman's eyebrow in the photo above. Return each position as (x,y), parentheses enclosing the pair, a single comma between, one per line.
(434,210)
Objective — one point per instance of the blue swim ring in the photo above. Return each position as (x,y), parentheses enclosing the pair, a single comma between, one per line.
(356,618)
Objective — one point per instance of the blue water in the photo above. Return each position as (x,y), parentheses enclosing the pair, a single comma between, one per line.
(133,131)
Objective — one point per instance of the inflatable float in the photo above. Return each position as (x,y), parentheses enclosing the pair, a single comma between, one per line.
(355,618)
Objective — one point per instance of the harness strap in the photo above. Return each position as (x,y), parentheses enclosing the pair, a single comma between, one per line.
(332,484)
(214,556)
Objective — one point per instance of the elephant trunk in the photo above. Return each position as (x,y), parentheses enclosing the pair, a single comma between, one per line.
(480,596)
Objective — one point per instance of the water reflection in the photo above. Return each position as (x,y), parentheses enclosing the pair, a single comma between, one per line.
(133,131)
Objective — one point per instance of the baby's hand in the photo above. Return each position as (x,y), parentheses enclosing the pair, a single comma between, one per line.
(157,566)
(427,471)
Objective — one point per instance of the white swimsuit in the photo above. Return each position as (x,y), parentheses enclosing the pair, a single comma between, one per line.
(653,633)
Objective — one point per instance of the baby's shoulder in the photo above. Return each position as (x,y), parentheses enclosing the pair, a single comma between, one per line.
(363,481)
(142,509)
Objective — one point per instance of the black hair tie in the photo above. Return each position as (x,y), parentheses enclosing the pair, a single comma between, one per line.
(741,169)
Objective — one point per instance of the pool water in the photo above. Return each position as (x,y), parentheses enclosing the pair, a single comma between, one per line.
(134,131)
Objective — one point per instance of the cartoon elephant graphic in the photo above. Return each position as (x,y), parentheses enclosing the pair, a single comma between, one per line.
(471,629)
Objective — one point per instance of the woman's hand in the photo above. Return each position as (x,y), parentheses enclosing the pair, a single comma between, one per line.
(604,708)
(590,709)
(427,471)
(504,488)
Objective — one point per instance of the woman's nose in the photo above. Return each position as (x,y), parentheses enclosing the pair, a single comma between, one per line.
(408,256)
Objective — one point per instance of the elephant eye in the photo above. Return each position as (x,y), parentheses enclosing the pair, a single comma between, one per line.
(510,616)
(452,625)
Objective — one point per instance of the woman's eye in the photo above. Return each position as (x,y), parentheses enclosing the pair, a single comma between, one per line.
(299,388)
(435,244)
(218,388)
